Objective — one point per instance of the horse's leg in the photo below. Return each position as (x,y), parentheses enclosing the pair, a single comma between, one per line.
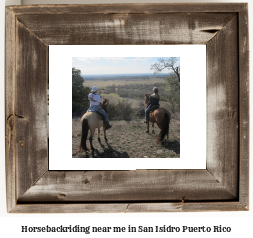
(168,132)
(147,127)
(158,141)
(158,136)
(80,146)
(92,132)
(104,132)
(99,135)
(153,132)
(84,135)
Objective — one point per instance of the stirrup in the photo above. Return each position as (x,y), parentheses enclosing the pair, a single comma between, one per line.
(146,122)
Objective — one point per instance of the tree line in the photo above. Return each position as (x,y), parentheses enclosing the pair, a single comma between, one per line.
(134,91)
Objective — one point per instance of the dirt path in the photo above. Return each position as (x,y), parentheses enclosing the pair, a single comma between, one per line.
(129,140)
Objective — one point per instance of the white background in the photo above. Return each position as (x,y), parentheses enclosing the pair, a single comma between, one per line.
(241,222)
(192,96)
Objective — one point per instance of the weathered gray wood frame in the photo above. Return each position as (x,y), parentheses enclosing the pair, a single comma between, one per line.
(223,186)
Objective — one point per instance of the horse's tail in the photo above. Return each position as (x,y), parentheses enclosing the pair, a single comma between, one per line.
(165,127)
(85,128)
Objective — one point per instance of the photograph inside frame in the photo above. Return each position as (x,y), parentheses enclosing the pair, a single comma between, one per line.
(126,107)
(123,83)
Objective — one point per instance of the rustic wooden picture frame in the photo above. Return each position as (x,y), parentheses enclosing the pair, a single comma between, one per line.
(222,186)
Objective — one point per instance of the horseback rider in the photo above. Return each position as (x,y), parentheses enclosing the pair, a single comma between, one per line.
(153,101)
(95,105)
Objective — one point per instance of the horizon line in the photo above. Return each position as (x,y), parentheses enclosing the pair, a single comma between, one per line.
(124,74)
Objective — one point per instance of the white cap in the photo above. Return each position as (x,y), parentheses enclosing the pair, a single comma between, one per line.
(94,89)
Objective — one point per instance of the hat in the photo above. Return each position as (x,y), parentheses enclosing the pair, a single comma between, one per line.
(94,89)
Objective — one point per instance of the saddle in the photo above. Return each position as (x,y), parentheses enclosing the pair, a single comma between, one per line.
(154,108)
(100,116)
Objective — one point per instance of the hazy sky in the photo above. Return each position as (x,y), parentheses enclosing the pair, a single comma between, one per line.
(116,65)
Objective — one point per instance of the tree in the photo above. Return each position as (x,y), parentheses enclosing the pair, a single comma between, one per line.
(79,92)
(172,81)
(173,89)
(166,63)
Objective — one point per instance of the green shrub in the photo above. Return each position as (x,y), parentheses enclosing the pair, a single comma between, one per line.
(173,94)
(124,109)
(112,111)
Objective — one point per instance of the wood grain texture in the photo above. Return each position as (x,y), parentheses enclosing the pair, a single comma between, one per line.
(125,29)
(9,109)
(222,107)
(154,8)
(244,106)
(129,207)
(186,207)
(223,186)
(30,108)
(140,185)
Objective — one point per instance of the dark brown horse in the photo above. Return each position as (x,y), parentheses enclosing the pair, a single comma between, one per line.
(90,121)
(161,117)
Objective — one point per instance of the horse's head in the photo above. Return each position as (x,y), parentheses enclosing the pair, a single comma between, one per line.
(146,97)
(104,103)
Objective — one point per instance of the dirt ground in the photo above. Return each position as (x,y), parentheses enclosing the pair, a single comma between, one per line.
(128,140)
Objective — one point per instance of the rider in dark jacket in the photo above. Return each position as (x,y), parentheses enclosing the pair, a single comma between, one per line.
(153,101)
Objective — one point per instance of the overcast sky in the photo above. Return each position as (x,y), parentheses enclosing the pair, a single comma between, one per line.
(116,65)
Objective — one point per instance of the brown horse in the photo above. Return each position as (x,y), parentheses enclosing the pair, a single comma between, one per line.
(161,117)
(90,121)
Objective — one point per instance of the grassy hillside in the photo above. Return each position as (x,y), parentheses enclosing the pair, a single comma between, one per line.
(102,84)
(128,139)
